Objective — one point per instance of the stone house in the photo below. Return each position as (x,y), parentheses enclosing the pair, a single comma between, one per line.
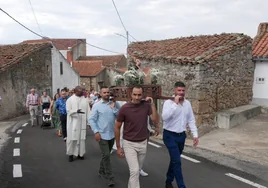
(108,65)
(26,66)
(92,74)
(217,69)
(260,58)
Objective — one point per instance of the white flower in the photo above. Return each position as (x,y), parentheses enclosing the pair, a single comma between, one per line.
(118,77)
(154,72)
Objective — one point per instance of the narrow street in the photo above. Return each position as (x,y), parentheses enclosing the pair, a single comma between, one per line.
(35,157)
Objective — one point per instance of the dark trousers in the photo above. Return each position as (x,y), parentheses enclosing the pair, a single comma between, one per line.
(175,144)
(105,164)
(63,120)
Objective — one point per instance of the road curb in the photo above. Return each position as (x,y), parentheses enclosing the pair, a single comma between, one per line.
(15,123)
(251,168)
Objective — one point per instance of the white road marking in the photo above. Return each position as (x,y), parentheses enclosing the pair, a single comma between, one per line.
(245,180)
(17,140)
(153,144)
(16,152)
(190,159)
(19,131)
(25,124)
(17,172)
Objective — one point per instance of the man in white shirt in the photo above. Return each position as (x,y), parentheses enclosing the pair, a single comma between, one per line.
(176,115)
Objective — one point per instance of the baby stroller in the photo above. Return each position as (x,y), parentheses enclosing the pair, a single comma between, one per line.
(46,117)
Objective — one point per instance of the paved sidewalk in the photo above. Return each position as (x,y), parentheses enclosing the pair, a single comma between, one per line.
(248,141)
(7,125)
(244,147)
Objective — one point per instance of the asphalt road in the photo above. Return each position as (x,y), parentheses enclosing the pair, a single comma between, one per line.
(44,165)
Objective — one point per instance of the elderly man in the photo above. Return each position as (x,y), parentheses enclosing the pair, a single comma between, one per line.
(77,120)
(32,105)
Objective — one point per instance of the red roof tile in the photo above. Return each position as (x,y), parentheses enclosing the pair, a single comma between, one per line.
(11,54)
(60,44)
(196,49)
(108,60)
(260,42)
(88,68)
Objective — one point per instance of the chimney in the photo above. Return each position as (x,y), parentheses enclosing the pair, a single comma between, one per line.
(69,55)
(263,28)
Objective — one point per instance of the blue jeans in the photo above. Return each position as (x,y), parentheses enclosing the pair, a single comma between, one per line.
(175,144)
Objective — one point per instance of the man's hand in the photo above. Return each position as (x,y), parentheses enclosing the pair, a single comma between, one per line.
(120,152)
(112,105)
(196,141)
(177,99)
(97,137)
(149,99)
(156,131)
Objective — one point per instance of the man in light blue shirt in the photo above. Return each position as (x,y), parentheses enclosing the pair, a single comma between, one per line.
(102,122)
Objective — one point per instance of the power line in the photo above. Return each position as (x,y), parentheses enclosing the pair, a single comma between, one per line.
(119,16)
(100,48)
(43,37)
(35,17)
(127,33)
(21,23)
(132,37)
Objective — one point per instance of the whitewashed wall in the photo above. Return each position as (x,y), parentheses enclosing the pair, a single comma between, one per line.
(260,86)
(70,78)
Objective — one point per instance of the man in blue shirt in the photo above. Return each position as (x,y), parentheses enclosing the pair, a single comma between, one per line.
(61,107)
(102,122)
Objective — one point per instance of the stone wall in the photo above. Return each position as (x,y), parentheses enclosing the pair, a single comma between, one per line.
(88,82)
(226,82)
(33,71)
(213,86)
(94,82)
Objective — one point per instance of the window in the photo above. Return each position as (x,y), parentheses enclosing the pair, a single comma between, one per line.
(47,68)
(61,68)
(260,80)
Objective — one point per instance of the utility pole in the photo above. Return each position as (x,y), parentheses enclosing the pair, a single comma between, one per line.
(127,41)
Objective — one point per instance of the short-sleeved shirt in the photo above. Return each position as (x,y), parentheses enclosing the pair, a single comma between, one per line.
(135,119)
(45,99)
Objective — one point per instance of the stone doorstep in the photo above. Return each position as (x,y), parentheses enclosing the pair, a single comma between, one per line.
(235,116)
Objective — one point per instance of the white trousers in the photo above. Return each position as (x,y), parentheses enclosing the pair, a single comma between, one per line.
(76,147)
(135,153)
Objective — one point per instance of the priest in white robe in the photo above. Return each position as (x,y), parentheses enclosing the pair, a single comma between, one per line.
(78,110)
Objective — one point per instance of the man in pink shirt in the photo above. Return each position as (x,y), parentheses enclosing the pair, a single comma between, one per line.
(32,103)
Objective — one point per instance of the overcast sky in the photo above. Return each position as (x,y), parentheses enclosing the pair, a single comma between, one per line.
(97,21)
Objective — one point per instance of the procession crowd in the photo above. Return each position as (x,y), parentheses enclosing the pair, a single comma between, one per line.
(117,125)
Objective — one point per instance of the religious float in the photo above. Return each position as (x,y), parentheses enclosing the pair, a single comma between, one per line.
(136,76)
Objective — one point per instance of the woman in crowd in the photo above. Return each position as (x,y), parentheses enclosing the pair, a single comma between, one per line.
(55,114)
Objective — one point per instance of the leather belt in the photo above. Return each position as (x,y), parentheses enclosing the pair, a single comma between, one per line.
(182,133)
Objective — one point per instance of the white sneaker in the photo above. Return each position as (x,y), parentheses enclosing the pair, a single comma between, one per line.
(142,173)
(112,150)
